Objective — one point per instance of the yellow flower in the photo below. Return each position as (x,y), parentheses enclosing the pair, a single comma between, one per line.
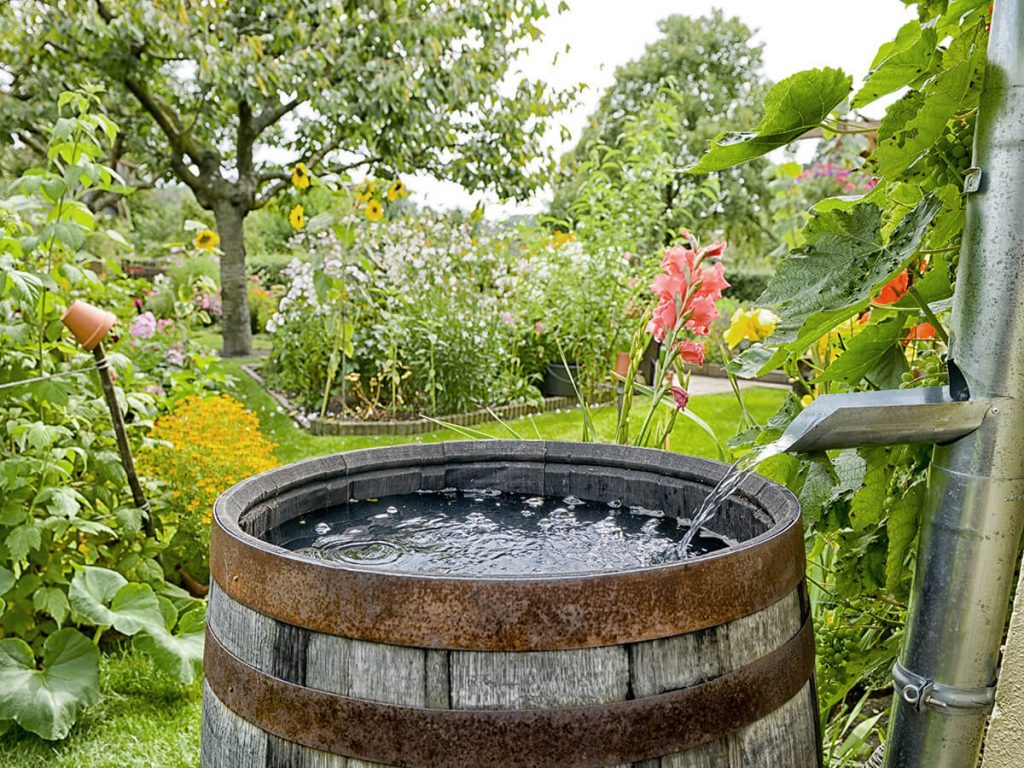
(806,400)
(753,325)
(364,192)
(396,190)
(297,220)
(374,210)
(207,240)
(300,176)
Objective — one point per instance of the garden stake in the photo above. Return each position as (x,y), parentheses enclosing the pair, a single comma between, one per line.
(103,366)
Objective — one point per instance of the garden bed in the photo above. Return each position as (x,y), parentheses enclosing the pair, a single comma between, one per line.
(716,371)
(352,427)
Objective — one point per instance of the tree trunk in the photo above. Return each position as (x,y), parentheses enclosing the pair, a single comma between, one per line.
(235,321)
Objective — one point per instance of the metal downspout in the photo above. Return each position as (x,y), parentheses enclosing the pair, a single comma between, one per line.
(975,511)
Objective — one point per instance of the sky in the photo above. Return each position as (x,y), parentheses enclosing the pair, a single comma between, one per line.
(602,34)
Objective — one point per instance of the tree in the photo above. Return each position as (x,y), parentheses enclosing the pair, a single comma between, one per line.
(210,91)
(701,77)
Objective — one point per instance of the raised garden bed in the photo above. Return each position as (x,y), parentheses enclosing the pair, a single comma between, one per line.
(351,427)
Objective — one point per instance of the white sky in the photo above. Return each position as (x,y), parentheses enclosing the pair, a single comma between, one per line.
(602,34)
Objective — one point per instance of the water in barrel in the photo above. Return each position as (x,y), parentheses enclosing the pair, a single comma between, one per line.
(489,532)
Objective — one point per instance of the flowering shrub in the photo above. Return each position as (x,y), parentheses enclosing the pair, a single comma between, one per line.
(201,448)
(433,314)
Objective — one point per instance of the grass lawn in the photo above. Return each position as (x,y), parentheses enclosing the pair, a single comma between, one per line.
(146,720)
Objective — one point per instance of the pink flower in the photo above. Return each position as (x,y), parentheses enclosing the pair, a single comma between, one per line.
(163,323)
(143,326)
(154,389)
(703,312)
(692,351)
(175,357)
(684,274)
(681,396)
(539,328)
(508,318)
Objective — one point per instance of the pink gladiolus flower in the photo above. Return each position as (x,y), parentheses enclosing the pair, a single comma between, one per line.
(143,326)
(682,269)
(692,352)
(681,396)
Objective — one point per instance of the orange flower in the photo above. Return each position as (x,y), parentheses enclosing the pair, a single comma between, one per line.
(922,332)
(895,289)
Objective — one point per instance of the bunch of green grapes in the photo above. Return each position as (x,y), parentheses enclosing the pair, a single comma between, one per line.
(836,644)
(927,370)
(950,157)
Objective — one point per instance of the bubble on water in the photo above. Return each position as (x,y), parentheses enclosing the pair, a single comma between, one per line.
(527,512)
(572,501)
(392,509)
(534,501)
(381,516)
(614,504)
(489,492)
(322,528)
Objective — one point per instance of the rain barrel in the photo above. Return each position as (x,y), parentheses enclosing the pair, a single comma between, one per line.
(708,662)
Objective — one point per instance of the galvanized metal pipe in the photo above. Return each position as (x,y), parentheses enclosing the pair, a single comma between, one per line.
(975,510)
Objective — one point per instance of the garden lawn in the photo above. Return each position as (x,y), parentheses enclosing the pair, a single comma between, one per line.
(721,412)
(144,720)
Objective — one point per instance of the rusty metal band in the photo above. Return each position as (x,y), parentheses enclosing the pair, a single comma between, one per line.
(571,737)
(507,614)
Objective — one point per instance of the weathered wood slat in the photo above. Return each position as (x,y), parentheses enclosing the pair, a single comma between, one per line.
(535,680)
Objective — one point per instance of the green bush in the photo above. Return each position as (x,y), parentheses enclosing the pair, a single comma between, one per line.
(747,285)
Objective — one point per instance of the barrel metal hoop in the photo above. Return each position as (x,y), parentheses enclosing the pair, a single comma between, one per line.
(570,737)
(923,693)
(536,614)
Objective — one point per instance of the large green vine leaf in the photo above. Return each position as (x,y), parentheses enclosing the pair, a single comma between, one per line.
(865,349)
(842,265)
(47,701)
(904,61)
(791,108)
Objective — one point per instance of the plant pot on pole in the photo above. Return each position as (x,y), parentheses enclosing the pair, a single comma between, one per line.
(90,325)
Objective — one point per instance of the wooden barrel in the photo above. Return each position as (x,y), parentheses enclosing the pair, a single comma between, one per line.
(706,663)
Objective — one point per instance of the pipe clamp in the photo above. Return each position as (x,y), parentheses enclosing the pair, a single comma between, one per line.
(922,693)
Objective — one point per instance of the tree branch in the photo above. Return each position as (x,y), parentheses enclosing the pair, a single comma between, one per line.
(26,138)
(270,115)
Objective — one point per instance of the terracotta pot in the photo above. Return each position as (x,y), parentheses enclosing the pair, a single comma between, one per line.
(89,324)
(621,363)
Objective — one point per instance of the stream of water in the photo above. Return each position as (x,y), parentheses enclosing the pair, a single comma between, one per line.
(729,484)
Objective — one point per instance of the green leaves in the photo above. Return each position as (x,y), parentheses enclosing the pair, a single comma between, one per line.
(791,108)
(179,653)
(106,599)
(911,130)
(865,349)
(843,264)
(47,700)
(902,62)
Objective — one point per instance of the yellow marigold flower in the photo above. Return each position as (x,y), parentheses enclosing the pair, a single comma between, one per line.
(374,210)
(300,176)
(396,190)
(753,325)
(207,240)
(296,218)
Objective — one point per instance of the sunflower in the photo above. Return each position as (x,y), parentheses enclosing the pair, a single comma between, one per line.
(297,220)
(364,192)
(396,190)
(300,176)
(374,210)
(207,240)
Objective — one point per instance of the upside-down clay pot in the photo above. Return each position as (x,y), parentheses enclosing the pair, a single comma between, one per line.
(89,324)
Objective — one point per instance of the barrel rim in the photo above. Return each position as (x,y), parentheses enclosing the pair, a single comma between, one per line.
(490,612)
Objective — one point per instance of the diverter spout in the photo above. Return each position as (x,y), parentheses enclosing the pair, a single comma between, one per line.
(886,417)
